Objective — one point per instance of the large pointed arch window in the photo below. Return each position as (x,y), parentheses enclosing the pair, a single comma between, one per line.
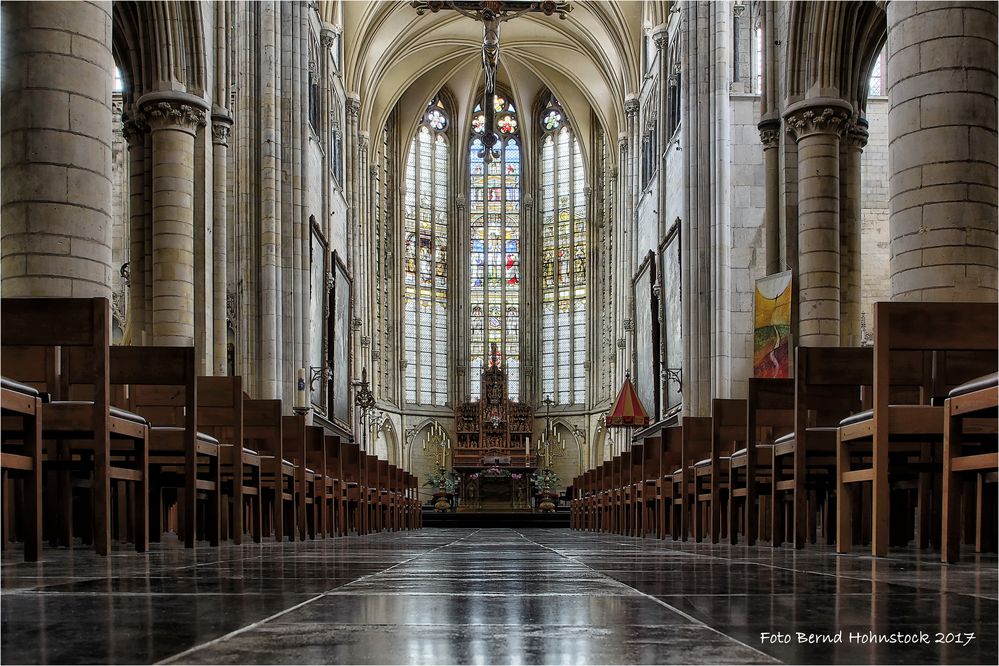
(564,260)
(425,277)
(494,206)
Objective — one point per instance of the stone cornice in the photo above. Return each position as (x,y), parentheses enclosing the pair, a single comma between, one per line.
(174,115)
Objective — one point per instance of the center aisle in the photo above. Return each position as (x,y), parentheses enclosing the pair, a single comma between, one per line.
(481,596)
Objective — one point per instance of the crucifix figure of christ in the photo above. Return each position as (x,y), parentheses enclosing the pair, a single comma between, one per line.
(492,14)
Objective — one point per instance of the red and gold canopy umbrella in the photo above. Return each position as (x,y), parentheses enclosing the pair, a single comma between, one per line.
(627,411)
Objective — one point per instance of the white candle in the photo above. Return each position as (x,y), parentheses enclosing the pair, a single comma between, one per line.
(301,399)
(527,448)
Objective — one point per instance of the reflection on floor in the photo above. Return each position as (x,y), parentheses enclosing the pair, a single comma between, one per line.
(441,596)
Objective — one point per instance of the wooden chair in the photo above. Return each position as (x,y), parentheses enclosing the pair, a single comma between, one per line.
(352,502)
(671,445)
(307,482)
(622,492)
(605,495)
(162,386)
(315,462)
(21,459)
(695,444)
(907,432)
(635,484)
(335,519)
(84,432)
(650,486)
(221,415)
(829,385)
(711,475)
(769,415)
(969,450)
(262,431)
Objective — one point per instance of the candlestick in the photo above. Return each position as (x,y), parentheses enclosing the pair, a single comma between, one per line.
(301,399)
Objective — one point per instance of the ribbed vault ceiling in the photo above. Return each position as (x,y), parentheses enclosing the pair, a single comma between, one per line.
(590,60)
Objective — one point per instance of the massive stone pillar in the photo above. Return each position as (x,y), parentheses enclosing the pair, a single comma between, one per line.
(56,149)
(942,150)
(221,126)
(817,126)
(174,124)
(851,211)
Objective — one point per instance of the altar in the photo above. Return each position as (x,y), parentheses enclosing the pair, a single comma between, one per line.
(493,449)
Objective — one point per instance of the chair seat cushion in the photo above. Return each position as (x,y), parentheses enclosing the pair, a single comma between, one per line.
(977,384)
(116,412)
(202,437)
(759,447)
(707,461)
(11,385)
(784,438)
(859,417)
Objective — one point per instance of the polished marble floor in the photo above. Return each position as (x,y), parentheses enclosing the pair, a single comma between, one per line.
(474,596)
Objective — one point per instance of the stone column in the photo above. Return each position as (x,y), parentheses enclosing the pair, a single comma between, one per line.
(135,135)
(174,125)
(851,211)
(942,150)
(221,127)
(56,149)
(770,138)
(817,126)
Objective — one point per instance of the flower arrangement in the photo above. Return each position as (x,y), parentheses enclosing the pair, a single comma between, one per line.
(545,480)
(443,479)
(496,472)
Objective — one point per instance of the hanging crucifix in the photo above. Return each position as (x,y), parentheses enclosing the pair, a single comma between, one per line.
(492,14)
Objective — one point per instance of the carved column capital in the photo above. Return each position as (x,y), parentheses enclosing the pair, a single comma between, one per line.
(459,202)
(353,106)
(174,116)
(857,134)
(528,200)
(133,126)
(769,133)
(221,128)
(819,119)
(661,38)
(631,106)
(373,170)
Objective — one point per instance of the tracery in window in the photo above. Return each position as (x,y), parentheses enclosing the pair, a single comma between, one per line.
(494,207)
(564,261)
(425,276)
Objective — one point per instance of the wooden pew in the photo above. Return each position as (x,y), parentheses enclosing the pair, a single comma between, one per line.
(622,492)
(106,444)
(162,386)
(970,449)
(829,385)
(315,462)
(695,443)
(21,458)
(902,436)
(769,415)
(221,415)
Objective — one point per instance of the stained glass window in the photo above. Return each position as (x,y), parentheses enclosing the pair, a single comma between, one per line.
(564,260)
(494,206)
(425,274)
